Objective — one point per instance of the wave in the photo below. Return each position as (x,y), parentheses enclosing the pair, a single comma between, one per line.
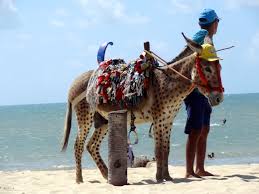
(176,145)
(215,124)
(62,167)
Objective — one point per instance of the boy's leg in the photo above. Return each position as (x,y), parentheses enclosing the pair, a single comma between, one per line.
(201,152)
(190,153)
(202,141)
(193,128)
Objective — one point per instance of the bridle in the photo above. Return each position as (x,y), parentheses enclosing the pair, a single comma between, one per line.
(205,84)
(204,80)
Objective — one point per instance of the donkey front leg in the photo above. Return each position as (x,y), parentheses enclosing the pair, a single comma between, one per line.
(166,151)
(158,151)
(162,147)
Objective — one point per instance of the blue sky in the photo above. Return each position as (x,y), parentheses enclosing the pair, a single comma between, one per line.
(44,45)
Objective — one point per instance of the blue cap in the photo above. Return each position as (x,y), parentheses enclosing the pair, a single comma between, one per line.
(207,16)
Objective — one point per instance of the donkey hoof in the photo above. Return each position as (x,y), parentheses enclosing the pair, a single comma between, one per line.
(159,180)
(159,177)
(104,173)
(105,176)
(79,180)
(168,178)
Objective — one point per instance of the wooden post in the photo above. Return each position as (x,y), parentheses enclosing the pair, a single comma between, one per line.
(147,46)
(117,148)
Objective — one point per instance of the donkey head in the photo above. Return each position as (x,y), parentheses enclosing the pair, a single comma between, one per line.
(206,74)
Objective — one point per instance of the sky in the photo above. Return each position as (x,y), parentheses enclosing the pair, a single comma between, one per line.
(45,45)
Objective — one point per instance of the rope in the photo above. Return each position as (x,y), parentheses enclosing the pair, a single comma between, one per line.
(225,48)
(194,84)
(165,63)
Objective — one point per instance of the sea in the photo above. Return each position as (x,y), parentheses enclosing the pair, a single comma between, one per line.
(31,135)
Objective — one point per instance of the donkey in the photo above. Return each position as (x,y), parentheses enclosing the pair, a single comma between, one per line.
(162,103)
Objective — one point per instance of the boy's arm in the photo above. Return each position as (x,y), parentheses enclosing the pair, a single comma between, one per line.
(208,40)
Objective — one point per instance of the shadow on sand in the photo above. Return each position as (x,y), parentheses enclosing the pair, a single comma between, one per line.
(246,178)
(176,180)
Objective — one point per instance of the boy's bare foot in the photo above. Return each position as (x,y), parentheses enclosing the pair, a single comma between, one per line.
(204,173)
(192,175)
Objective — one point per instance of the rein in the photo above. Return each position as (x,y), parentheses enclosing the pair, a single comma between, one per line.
(204,84)
(165,64)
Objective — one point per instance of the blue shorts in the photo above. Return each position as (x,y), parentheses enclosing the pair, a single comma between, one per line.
(198,112)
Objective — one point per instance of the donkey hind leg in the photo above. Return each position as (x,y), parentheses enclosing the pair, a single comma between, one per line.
(166,150)
(93,146)
(84,119)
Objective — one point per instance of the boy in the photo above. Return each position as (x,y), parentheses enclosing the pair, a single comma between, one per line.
(197,106)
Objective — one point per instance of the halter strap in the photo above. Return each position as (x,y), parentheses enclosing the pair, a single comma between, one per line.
(204,81)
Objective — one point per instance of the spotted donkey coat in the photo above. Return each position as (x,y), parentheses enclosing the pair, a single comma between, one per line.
(163,102)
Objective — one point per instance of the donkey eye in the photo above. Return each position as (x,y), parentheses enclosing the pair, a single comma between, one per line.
(208,69)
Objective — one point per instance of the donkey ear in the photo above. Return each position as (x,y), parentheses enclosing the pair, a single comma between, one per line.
(208,40)
(192,45)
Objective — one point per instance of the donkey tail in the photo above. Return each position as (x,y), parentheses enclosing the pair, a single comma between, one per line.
(67,126)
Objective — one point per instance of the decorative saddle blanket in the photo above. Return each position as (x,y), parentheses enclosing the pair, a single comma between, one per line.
(124,84)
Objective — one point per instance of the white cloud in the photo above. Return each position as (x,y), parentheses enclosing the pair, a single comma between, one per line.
(185,6)
(91,50)
(59,17)
(76,63)
(57,23)
(160,46)
(24,36)
(61,12)
(135,19)
(8,14)
(236,4)
(8,5)
(254,47)
(190,6)
(112,10)
(83,23)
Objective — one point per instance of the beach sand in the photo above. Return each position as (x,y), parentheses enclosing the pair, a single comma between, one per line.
(229,179)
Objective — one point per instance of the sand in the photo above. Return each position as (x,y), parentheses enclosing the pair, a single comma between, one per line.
(229,179)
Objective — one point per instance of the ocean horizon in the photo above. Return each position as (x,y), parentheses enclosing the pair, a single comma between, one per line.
(30,136)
